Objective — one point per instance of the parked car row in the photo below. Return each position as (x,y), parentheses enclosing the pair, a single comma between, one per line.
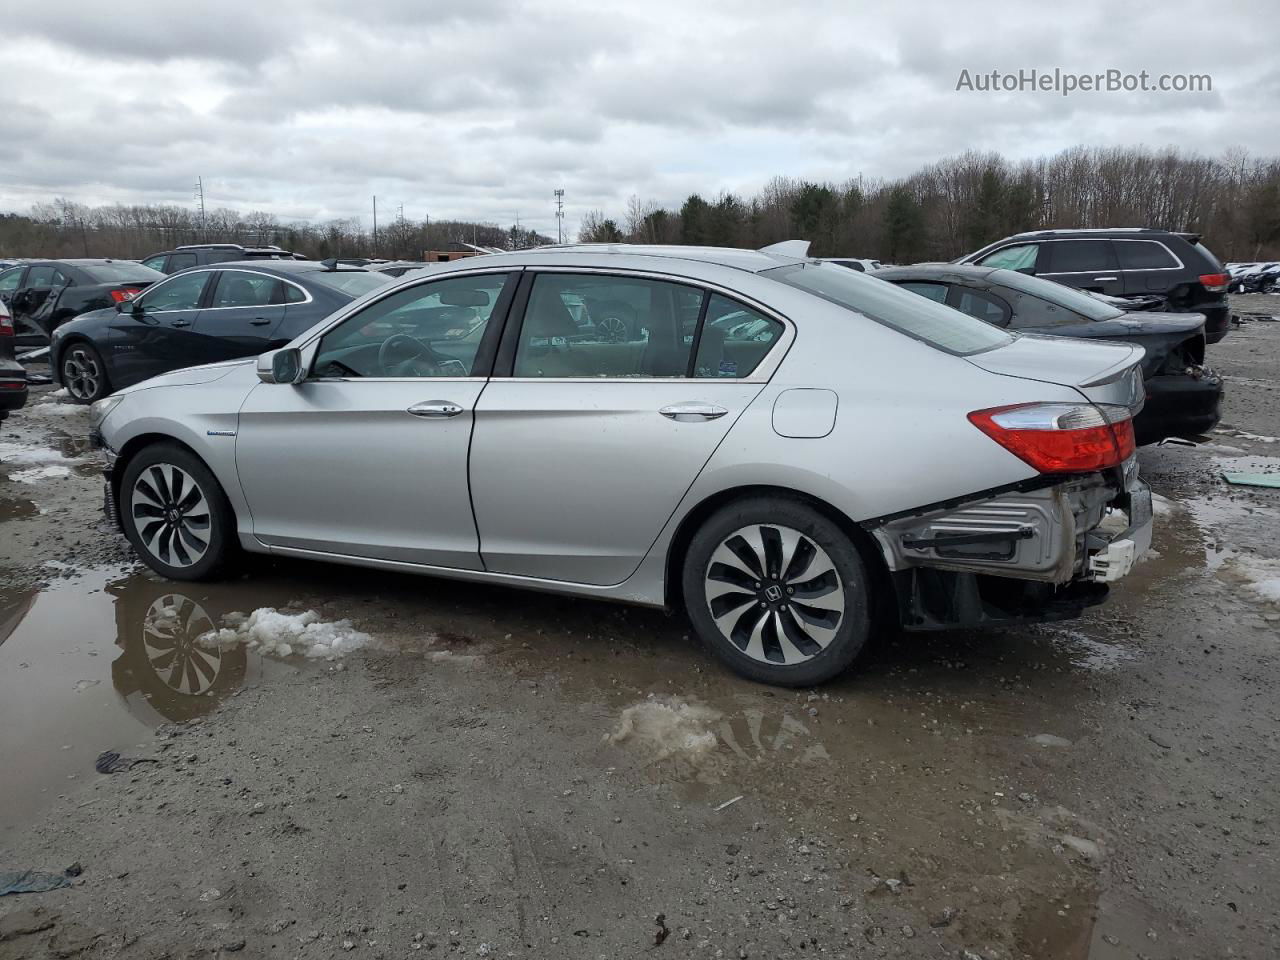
(200,315)
(1256,277)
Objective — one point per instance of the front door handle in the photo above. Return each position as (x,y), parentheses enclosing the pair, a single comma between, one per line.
(180,323)
(259,322)
(692,410)
(1100,279)
(435,409)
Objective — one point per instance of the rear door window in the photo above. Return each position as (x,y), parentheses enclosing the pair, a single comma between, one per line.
(1081,256)
(1144,255)
(180,261)
(986,307)
(238,288)
(937,292)
(604,326)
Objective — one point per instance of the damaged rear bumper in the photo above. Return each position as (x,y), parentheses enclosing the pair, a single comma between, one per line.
(1033,554)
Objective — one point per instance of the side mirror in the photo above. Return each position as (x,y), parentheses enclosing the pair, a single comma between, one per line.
(281,366)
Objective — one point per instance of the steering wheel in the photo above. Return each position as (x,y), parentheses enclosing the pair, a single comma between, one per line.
(420,360)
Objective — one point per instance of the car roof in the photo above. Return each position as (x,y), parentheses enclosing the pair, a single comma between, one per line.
(752,261)
(1101,233)
(278,266)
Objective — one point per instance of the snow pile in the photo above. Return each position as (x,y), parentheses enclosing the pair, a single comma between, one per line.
(36,474)
(1261,576)
(270,632)
(668,727)
(26,454)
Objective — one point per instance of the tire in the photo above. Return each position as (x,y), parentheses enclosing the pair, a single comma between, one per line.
(758,629)
(81,364)
(201,513)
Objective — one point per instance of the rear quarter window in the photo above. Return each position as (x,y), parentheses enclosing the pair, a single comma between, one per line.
(1144,255)
(910,314)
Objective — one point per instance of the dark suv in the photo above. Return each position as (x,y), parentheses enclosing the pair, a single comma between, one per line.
(1123,262)
(203,254)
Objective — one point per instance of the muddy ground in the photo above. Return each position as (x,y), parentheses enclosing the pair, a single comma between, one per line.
(1101,788)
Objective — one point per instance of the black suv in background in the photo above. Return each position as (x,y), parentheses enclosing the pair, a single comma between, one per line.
(1122,262)
(203,254)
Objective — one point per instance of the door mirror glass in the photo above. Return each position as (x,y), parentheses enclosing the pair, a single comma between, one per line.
(280,366)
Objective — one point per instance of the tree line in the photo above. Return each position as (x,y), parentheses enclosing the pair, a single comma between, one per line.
(65,229)
(961,203)
(944,210)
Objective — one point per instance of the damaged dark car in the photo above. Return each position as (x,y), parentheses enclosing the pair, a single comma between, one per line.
(1184,394)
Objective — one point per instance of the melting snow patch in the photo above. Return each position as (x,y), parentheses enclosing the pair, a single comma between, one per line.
(667,727)
(272,633)
(58,410)
(1261,576)
(36,474)
(24,453)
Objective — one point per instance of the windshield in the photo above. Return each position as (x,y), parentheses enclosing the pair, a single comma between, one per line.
(353,283)
(122,273)
(904,311)
(1069,298)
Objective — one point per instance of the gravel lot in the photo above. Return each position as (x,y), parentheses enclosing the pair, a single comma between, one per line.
(507,774)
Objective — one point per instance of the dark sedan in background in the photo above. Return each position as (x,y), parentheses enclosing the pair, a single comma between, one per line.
(201,315)
(1183,392)
(13,377)
(41,294)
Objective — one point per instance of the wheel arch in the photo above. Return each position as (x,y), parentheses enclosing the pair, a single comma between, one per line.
(135,445)
(884,597)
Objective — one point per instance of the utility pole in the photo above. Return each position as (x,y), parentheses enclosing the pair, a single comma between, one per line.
(375,224)
(559,215)
(204,230)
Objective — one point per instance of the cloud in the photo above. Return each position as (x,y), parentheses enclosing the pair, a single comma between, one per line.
(480,110)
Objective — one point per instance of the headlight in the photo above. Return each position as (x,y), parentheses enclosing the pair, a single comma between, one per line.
(102,408)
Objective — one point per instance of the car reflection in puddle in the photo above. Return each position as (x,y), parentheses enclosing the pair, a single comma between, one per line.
(70,687)
(163,669)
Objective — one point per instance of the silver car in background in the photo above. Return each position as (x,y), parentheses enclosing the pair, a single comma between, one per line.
(793,453)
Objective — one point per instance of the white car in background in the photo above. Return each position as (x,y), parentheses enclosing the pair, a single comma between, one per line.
(854,263)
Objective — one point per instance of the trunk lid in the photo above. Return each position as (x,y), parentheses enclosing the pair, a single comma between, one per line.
(1103,372)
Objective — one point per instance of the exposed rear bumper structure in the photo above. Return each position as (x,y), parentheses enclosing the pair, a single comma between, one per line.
(1017,556)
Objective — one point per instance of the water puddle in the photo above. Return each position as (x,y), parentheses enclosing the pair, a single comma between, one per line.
(99,661)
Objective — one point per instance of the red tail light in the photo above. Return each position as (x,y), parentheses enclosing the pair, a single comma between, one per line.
(125,293)
(1215,282)
(6,325)
(1061,437)
(12,384)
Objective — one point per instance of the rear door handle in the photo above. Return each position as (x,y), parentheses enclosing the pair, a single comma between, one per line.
(692,410)
(1097,279)
(435,409)
(179,323)
(259,322)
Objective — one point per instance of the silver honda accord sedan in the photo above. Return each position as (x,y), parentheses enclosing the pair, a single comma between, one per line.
(796,454)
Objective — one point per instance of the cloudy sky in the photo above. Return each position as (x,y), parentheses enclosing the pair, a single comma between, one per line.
(478,109)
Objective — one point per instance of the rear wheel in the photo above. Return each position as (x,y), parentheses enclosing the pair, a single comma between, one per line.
(83,372)
(777,591)
(175,514)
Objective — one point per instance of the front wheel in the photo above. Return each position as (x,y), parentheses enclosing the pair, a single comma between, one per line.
(83,373)
(777,591)
(175,514)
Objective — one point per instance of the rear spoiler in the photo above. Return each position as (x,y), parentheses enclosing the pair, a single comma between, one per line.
(1189,237)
